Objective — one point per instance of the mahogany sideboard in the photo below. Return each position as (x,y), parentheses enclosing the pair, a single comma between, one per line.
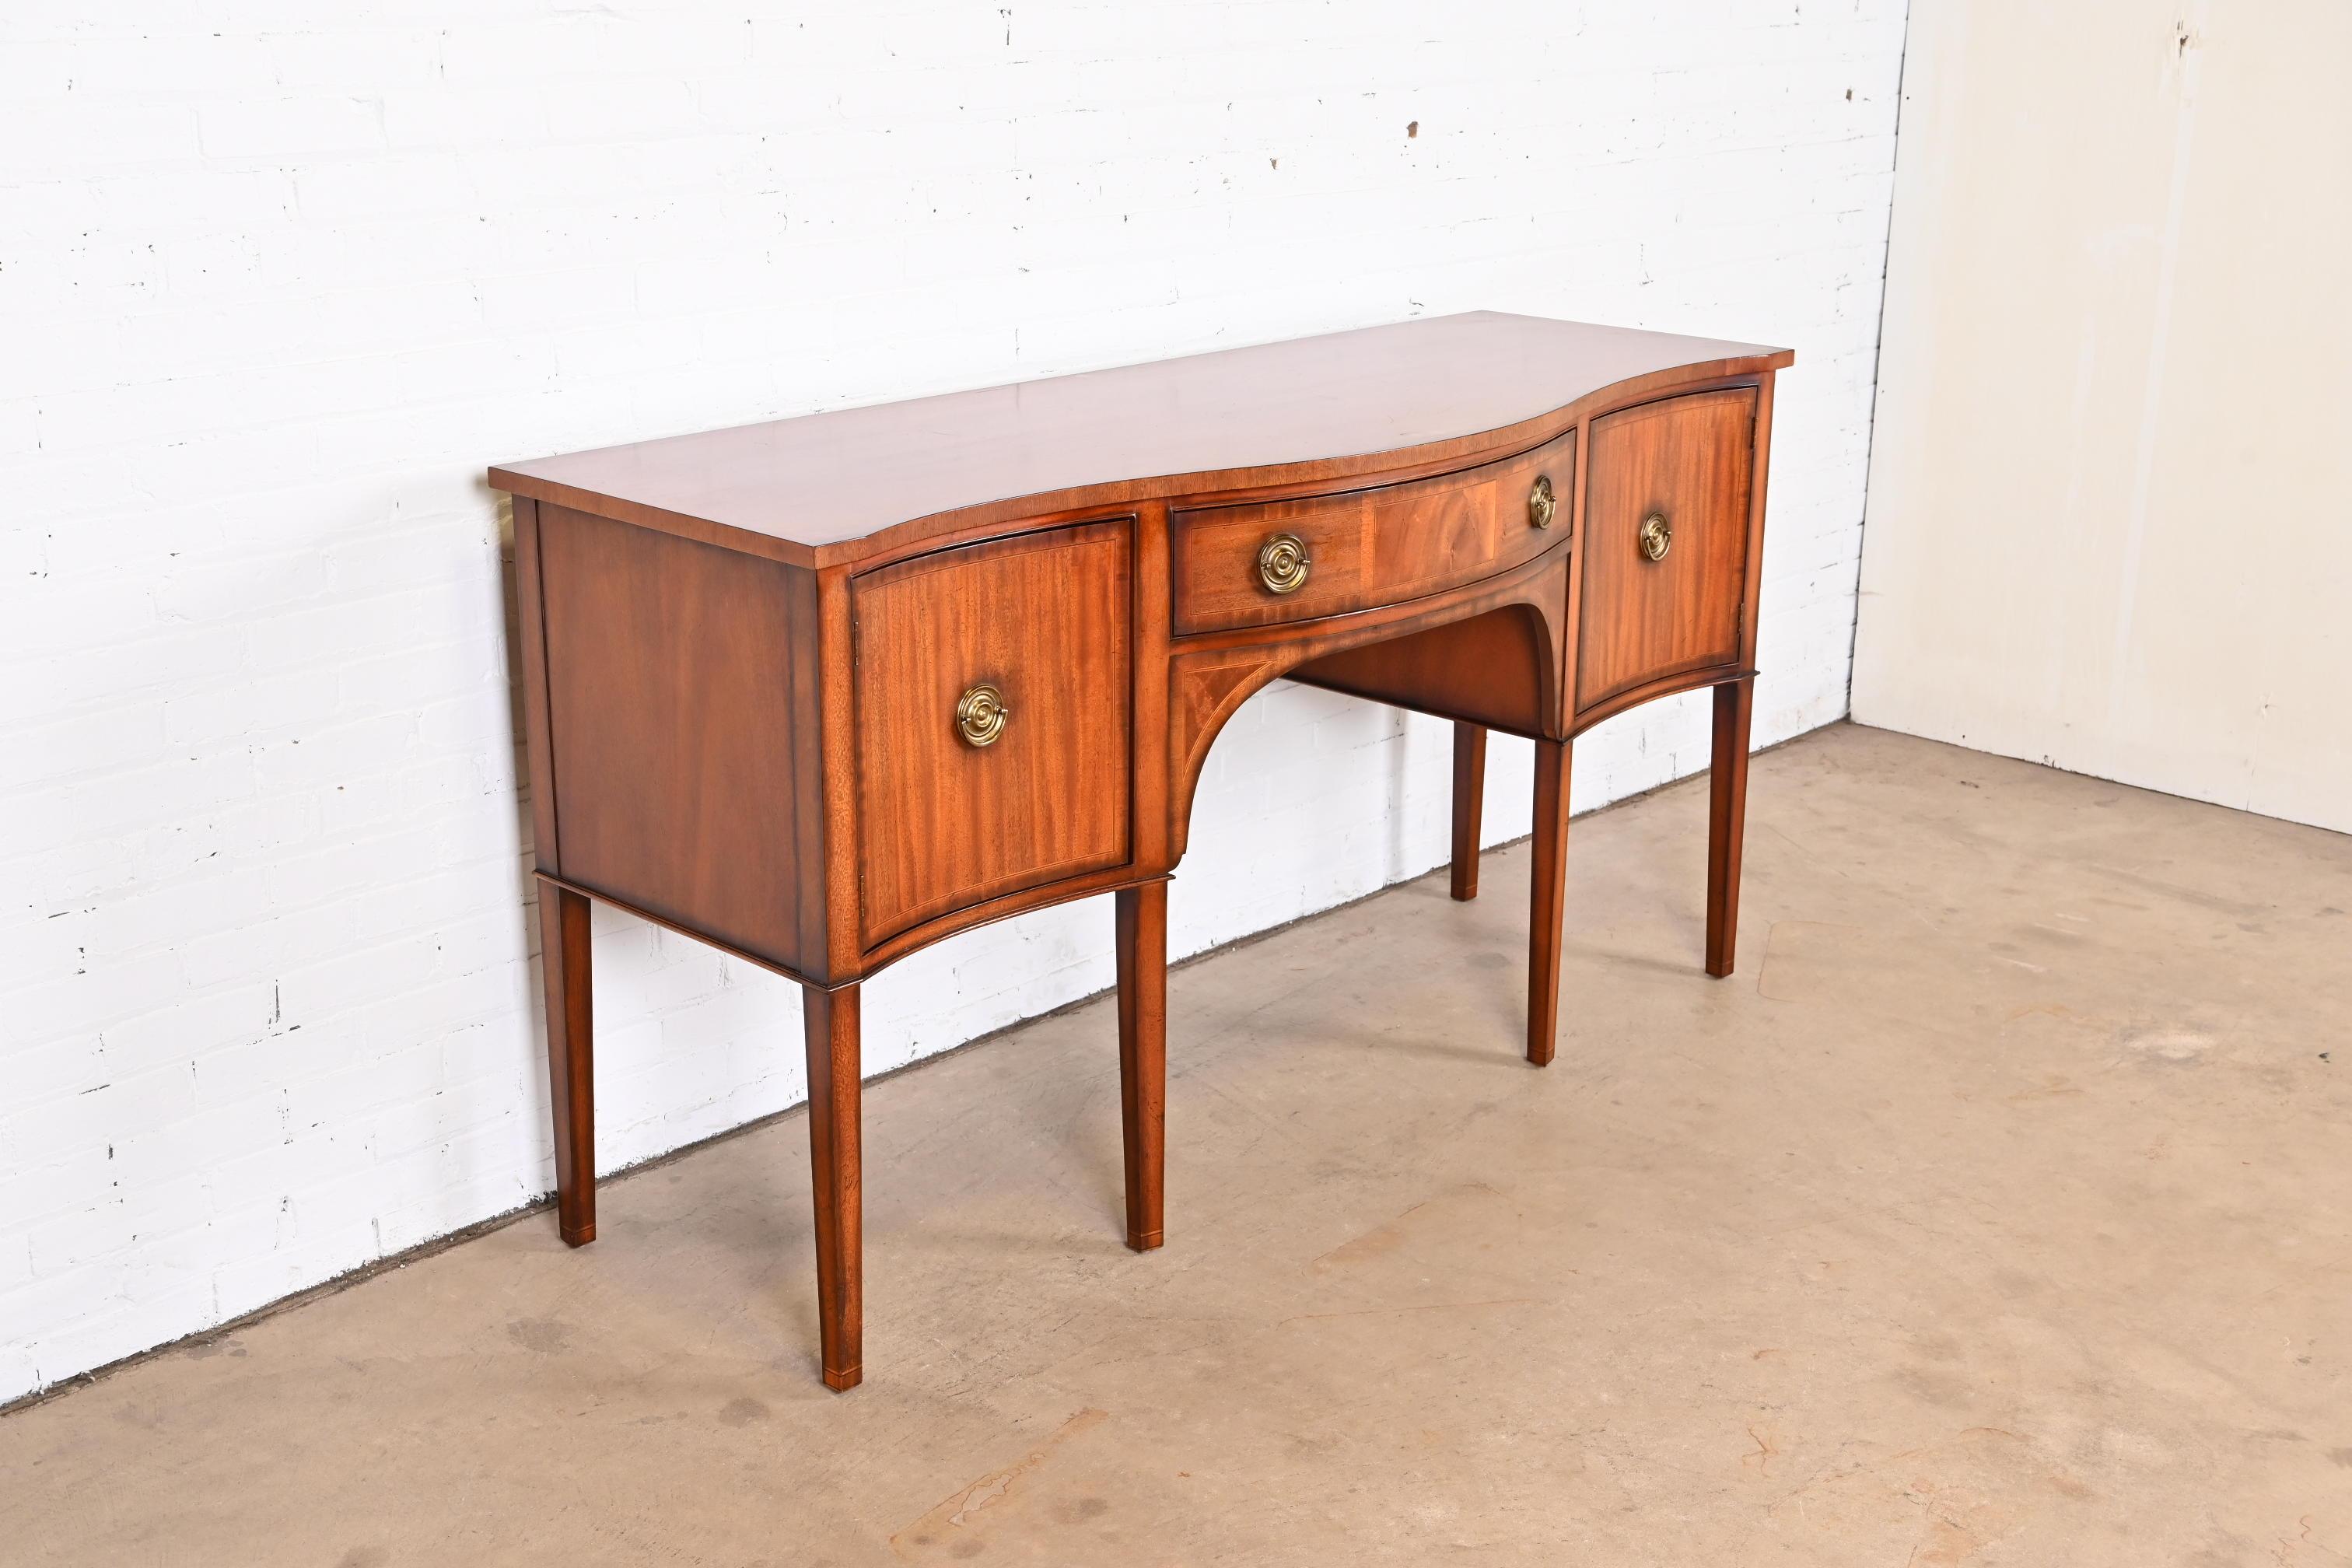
(823,690)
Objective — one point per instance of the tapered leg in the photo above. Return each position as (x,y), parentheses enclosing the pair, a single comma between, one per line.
(1143,1057)
(831,1027)
(1548,902)
(571,1068)
(1735,704)
(1469,798)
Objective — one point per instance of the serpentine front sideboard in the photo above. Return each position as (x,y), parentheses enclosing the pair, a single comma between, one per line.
(824,690)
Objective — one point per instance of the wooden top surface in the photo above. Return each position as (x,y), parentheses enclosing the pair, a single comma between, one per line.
(826,488)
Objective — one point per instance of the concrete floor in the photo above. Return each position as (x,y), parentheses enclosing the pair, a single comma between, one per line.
(1998,1211)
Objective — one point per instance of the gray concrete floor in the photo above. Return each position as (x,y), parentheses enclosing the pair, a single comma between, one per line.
(1996,1212)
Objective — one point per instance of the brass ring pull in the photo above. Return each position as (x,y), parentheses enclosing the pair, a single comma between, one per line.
(982,714)
(1541,503)
(1282,563)
(1657,538)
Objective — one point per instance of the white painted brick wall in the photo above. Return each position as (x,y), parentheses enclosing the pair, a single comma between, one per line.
(278,280)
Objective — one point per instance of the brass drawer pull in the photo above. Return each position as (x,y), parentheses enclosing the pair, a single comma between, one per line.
(982,714)
(1541,503)
(1282,563)
(1657,537)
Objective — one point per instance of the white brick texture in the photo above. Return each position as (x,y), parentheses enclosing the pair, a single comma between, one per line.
(278,280)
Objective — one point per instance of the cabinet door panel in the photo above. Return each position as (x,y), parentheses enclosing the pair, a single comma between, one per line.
(944,822)
(1685,462)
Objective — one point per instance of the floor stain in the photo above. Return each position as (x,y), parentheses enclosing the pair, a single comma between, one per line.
(1391,1235)
(2177,1047)
(546,1335)
(944,1528)
(1936,1386)
(2053,1085)
(2058,1010)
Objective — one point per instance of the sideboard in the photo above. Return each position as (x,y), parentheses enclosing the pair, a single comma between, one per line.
(824,690)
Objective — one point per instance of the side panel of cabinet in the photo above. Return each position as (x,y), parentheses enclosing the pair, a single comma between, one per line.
(681,688)
(1682,466)
(944,823)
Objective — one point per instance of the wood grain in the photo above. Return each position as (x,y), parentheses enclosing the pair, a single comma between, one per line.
(565,975)
(531,640)
(1043,618)
(679,701)
(829,488)
(1547,878)
(1380,546)
(1143,1057)
(1727,819)
(1495,669)
(830,1026)
(1469,805)
(1211,675)
(1688,459)
(837,745)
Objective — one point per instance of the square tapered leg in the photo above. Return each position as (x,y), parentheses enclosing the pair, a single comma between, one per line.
(1469,804)
(1735,705)
(1143,1057)
(571,1068)
(830,1020)
(1548,900)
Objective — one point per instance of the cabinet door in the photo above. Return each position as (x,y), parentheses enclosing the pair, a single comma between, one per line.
(1664,538)
(963,797)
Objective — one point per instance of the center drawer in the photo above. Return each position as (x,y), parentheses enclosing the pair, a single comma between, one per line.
(993,730)
(1268,561)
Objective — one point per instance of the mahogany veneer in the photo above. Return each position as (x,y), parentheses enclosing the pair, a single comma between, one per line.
(1366,547)
(1684,460)
(942,823)
(824,690)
